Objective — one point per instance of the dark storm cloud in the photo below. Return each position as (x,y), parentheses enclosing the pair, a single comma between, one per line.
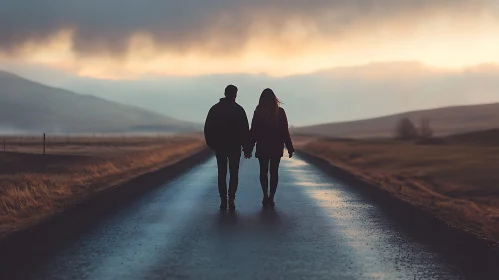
(106,25)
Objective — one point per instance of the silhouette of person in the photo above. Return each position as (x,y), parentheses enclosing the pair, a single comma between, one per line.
(270,132)
(227,133)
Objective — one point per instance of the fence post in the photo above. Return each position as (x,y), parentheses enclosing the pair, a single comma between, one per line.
(44,143)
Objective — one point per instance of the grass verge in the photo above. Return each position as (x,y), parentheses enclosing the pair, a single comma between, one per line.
(457,183)
(34,187)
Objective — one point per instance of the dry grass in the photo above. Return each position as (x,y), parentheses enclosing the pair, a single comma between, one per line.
(459,183)
(34,186)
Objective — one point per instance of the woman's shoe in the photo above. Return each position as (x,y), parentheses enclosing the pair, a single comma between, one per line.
(232,204)
(223,204)
(265,202)
(271,202)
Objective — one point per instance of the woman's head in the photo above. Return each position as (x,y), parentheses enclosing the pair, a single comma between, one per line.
(268,107)
(268,100)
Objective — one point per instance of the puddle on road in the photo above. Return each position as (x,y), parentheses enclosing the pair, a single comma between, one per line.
(370,236)
(293,162)
(314,184)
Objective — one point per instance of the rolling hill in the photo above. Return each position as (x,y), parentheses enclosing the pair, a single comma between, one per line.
(33,107)
(477,138)
(444,121)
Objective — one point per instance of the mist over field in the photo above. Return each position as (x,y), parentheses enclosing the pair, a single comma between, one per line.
(338,94)
(27,106)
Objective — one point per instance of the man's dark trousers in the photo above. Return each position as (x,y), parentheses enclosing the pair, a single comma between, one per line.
(230,160)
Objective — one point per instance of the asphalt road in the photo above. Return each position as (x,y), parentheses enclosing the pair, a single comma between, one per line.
(320,229)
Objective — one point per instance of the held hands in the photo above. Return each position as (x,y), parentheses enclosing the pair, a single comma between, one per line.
(248,156)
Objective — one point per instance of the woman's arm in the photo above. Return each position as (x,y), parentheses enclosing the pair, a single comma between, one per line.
(253,135)
(286,134)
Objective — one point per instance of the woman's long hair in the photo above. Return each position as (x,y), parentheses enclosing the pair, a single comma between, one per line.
(268,107)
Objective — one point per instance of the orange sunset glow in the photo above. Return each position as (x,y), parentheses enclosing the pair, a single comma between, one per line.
(438,36)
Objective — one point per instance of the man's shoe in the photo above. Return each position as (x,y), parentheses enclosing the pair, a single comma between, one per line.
(223,204)
(232,204)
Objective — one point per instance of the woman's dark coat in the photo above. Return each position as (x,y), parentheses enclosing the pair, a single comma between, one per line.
(270,138)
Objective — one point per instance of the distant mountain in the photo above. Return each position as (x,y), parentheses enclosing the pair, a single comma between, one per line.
(444,121)
(30,106)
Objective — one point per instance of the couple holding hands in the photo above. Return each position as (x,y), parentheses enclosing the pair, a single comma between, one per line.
(227,133)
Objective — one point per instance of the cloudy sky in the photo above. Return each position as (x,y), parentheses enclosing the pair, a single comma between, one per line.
(187,42)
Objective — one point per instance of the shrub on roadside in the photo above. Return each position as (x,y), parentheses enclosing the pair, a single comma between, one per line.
(406,130)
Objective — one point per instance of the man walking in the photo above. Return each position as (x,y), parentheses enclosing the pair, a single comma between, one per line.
(227,132)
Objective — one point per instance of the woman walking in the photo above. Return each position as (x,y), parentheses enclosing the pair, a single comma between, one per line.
(270,132)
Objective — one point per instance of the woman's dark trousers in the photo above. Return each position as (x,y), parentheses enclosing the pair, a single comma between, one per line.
(273,164)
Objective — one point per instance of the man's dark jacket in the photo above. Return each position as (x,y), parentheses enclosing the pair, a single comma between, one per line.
(226,128)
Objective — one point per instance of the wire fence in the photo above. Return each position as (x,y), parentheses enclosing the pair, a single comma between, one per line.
(44,143)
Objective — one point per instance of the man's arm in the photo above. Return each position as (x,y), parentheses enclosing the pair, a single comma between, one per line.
(245,134)
(209,129)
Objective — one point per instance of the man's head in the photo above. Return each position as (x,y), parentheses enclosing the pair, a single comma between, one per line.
(231,91)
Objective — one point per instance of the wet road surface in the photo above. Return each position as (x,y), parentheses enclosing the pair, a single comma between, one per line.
(320,229)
